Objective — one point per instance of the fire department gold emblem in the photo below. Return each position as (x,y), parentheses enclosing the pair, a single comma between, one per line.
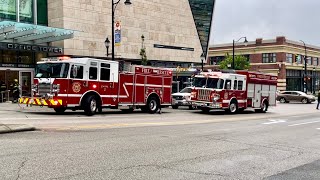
(225,95)
(76,87)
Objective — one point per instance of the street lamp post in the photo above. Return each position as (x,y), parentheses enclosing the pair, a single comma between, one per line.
(245,43)
(305,68)
(107,44)
(114,6)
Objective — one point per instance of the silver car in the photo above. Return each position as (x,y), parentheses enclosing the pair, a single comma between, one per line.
(182,98)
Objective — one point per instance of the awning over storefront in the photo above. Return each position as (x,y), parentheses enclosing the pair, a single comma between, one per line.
(16,32)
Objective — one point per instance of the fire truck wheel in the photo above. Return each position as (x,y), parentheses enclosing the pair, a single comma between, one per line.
(90,105)
(60,110)
(233,107)
(192,107)
(153,105)
(175,107)
(264,108)
(205,110)
(127,110)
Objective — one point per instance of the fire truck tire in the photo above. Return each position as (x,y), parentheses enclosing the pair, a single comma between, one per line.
(60,110)
(192,107)
(90,105)
(175,107)
(233,107)
(205,110)
(153,104)
(264,108)
(127,110)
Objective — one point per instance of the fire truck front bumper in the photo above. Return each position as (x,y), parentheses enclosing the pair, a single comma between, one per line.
(41,101)
(210,105)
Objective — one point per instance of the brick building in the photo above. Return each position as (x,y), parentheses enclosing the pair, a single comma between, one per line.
(279,56)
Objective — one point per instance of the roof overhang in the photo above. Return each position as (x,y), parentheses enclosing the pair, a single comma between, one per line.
(16,32)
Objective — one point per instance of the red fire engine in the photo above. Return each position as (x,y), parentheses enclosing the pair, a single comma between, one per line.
(234,91)
(93,84)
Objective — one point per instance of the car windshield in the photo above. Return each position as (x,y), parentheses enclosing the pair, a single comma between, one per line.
(207,82)
(186,90)
(52,70)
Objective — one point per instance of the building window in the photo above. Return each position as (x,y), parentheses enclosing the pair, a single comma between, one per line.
(269,58)
(8,11)
(309,60)
(216,60)
(289,58)
(298,59)
(315,61)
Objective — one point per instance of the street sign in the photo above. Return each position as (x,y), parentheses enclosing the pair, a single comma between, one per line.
(117,34)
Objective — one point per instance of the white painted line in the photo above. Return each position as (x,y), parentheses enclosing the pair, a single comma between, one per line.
(304,123)
(318,128)
(274,121)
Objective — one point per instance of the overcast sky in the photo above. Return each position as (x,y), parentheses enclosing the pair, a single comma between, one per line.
(295,19)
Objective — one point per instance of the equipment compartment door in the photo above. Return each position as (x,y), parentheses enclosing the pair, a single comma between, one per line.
(257,96)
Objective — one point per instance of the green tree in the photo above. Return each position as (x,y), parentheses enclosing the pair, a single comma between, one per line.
(143,53)
(240,63)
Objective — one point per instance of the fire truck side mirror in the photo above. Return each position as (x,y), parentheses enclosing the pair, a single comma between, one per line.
(75,71)
(228,85)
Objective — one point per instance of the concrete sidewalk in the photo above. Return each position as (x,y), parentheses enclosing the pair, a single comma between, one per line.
(11,128)
(10,108)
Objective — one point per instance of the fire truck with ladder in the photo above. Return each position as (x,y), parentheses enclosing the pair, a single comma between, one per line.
(234,91)
(92,84)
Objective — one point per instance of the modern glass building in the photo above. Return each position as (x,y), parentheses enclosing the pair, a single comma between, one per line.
(25,38)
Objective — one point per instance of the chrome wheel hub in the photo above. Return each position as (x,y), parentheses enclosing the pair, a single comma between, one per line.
(153,105)
(93,105)
(233,107)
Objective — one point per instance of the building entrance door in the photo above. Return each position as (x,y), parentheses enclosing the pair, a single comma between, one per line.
(25,82)
(7,84)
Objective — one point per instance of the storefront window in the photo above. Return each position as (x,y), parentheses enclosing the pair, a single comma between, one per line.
(39,56)
(25,58)
(9,57)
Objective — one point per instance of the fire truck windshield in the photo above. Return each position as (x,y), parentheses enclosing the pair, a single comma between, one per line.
(52,70)
(208,82)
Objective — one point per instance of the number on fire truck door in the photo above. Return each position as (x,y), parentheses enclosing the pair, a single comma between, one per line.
(257,95)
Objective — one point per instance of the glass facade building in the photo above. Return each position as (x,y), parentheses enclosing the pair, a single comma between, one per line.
(24,40)
(202,11)
(27,9)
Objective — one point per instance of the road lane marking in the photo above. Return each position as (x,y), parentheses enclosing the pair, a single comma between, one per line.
(274,121)
(299,124)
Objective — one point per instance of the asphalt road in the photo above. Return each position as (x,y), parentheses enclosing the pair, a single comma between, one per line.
(177,144)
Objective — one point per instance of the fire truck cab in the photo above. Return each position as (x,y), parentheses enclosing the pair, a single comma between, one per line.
(92,84)
(234,91)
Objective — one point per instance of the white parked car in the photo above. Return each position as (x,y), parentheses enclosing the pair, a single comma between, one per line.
(182,98)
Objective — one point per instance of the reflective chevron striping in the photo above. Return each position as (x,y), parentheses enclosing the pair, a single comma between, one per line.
(40,102)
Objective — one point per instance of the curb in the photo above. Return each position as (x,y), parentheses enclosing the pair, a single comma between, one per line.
(12,128)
